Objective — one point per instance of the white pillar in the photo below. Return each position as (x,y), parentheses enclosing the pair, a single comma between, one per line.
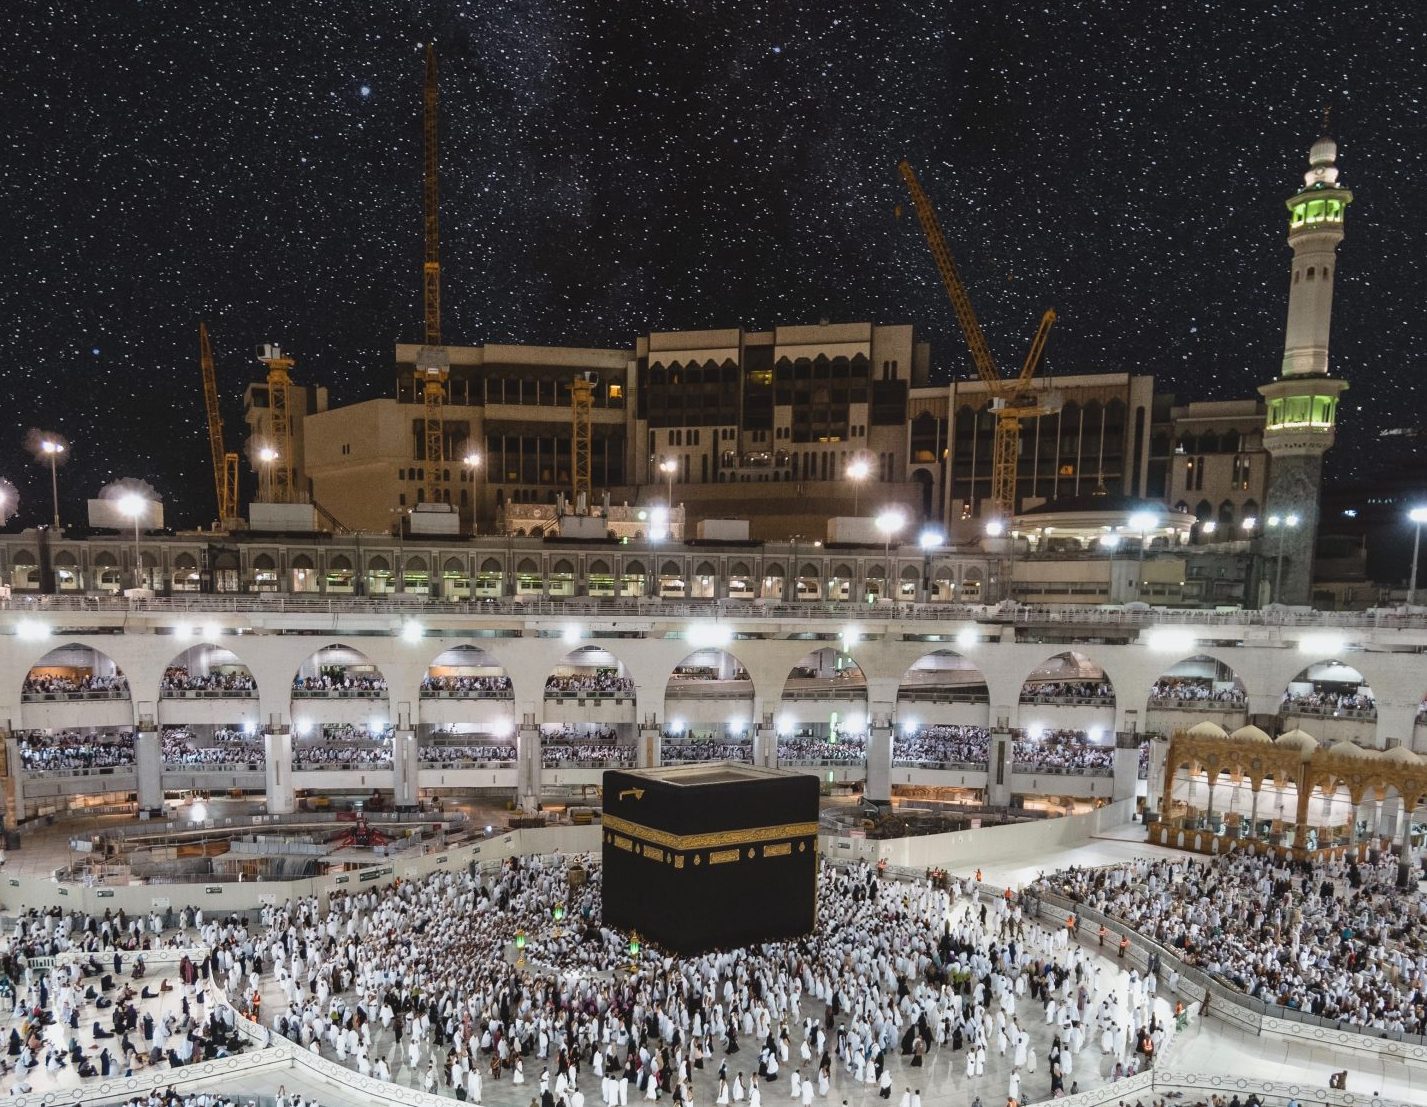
(1127,770)
(406,768)
(148,769)
(998,770)
(527,766)
(650,754)
(277,744)
(879,761)
(765,744)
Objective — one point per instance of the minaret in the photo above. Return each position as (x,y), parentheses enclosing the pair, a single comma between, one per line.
(1302,403)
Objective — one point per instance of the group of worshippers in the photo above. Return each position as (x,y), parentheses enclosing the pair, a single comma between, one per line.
(1338,939)
(419,981)
(90,1013)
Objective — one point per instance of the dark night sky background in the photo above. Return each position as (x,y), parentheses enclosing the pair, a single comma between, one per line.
(614,167)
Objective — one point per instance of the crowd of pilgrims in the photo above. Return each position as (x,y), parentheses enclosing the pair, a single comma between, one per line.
(168,1097)
(1063,691)
(943,744)
(1065,751)
(340,681)
(465,685)
(676,751)
(848,749)
(480,752)
(603,682)
(352,732)
(1338,939)
(341,757)
(72,750)
(1329,703)
(90,1016)
(1196,688)
(177,678)
(398,982)
(179,748)
(54,684)
(555,752)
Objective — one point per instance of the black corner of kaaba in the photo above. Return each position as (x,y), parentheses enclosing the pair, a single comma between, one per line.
(709,856)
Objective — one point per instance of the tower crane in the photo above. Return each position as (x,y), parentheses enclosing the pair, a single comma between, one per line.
(279,467)
(433,364)
(1011,399)
(225,463)
(582,389)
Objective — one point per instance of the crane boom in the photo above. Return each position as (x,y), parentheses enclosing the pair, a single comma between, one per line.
(431,267)
(433,364)
(225,464)
(1011,400)
(951,279)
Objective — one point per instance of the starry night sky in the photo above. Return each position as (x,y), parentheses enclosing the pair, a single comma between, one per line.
(609,168)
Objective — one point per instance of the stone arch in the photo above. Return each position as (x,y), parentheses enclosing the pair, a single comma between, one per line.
(590,668)
(563,566)
(1184,670)
(466,671)
(208,666)
(718,686)
(599,567)
(490,565)
(302,561)
(825,666)
(339,563)
(1069,668)
(264,563)
(527,565)
(943,675)
(328,668)
(1330,688)
(75,670)
(378,564)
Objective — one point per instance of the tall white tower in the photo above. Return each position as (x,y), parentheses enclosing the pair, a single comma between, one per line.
(1302,402)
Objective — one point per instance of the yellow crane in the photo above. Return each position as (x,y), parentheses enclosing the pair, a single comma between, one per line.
(1011,399)
(276,456)
(582,390)
(433,364)
(225,463)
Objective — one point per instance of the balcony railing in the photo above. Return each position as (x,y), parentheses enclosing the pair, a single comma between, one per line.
(68,697)
(208,693)
(339,693)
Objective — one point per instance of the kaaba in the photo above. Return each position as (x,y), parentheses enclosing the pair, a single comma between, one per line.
(710,856)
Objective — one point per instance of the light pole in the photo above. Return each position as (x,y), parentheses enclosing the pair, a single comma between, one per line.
(53,448)
(928,541)
(132,506)
(1144,522)
(1418,515)
(668,467)
(1283,524)
(472,462)
(267,455)
(889,523)
(857,472)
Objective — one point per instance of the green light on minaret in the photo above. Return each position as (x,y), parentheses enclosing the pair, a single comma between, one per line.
(1308,213)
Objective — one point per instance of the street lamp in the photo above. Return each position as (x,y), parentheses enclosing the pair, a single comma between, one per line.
(52,448)
(132,506)
(1144,522)
(929,540)
(267,455)
(668,467)
(1418,516)
(857,472)
(1283,524)
(889,523)
(472,462)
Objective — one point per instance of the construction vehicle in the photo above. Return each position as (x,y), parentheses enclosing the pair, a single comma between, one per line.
(225,462)
(1012,400)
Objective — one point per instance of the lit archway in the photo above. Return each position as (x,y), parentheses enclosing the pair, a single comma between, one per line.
(823,716)
(942,710)
(708,709)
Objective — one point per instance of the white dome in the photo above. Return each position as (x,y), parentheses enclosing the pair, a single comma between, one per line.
(1299,740)
(1250,734)
(1323,152)
(1401,755)
(1206,729)
(1350,749)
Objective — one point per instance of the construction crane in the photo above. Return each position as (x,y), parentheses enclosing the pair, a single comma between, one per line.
(225,463)
(276,456)
(433,364)
(582,391)
(1011,400)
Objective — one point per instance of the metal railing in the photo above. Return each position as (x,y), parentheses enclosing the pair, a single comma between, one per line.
(65,697)
(208,693)
(276,603)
